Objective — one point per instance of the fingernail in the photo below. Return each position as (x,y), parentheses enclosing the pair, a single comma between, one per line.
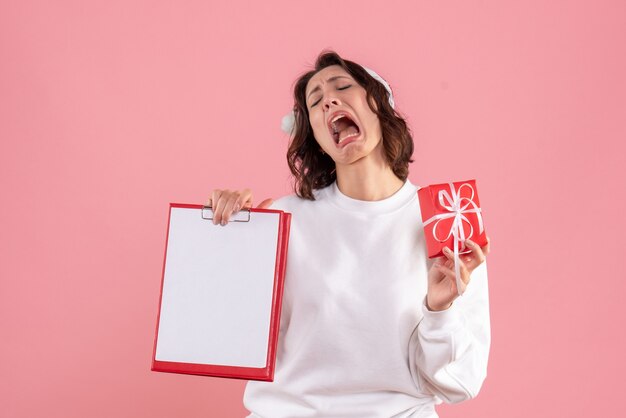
(446,249)
(468,242)
(236,208)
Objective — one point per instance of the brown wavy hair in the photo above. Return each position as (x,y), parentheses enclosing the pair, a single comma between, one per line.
(313,169)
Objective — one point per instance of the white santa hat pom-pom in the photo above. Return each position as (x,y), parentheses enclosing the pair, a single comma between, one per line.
(288,122)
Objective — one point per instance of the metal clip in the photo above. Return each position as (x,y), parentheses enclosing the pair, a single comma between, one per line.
(242,216)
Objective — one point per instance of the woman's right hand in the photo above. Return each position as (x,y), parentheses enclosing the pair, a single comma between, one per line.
(226,202)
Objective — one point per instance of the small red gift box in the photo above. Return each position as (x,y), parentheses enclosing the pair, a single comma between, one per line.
(451,214)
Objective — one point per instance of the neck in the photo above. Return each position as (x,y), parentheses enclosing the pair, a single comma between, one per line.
(369,179)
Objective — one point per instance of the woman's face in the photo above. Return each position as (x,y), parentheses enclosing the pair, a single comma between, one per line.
(330,93)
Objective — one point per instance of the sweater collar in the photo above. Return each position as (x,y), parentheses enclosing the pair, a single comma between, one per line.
(404,195)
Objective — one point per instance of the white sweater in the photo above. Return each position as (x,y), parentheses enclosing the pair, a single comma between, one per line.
(356,339)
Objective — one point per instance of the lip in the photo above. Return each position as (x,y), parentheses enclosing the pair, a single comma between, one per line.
(342,112)
(350,140)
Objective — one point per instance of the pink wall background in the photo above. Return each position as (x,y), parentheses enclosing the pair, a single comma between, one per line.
(111,110)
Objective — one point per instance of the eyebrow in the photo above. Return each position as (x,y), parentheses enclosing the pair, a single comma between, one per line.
(317,88)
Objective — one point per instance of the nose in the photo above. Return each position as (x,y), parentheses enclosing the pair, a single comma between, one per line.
(331,100)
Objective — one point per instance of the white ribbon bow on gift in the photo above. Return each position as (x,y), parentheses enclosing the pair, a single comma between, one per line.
(457,212)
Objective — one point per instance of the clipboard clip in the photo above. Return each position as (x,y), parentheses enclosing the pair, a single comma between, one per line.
(242,216)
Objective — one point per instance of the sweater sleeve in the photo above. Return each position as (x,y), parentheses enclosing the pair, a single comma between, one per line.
(449,349)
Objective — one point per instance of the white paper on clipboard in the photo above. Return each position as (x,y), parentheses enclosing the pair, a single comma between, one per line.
(218,290)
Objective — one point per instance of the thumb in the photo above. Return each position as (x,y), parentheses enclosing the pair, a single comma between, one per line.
(266,203)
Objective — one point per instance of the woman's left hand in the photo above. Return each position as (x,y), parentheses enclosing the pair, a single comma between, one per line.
(442,290)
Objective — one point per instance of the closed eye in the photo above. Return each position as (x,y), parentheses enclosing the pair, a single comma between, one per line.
(338,88)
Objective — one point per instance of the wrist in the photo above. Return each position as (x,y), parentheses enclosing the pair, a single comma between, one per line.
(437,308)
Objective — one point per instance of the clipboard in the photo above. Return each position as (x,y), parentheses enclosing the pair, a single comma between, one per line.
(221,293)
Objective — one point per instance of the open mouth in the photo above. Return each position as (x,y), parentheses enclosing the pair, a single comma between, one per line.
(343,127)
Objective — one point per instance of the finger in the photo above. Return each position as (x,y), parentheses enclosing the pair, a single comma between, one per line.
(266,203)
(229,206)
(450,255)
(438,262)
(215,198)
(445,270)
(447,254)
(236,200)
(476,250)
(450,274)
(470,260)
(218,209)
(244,200)
(449,262)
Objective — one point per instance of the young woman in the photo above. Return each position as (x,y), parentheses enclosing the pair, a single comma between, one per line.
(370,327)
